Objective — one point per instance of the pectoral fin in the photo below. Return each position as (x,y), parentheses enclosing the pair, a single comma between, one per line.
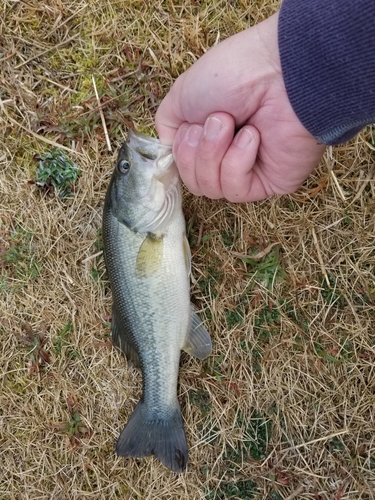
(150,256)
(187,255)
(198,341)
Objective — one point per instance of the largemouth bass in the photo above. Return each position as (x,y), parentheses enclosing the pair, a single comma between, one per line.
(147,257)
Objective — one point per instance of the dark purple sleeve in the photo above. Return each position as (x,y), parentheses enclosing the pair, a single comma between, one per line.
(327,50)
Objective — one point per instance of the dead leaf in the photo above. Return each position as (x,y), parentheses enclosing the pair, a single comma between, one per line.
(258,255)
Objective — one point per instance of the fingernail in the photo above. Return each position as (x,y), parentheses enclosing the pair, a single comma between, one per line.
(212,127)
(194,134)
(181,132)
(243,138)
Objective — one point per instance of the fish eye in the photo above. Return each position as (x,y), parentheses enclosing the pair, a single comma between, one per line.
(123,166)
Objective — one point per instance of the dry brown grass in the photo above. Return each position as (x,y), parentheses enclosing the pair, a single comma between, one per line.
(287,398)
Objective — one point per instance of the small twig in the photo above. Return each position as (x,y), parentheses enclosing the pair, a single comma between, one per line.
(313,441)
(332,173)
(320,258)
(152,54)
(217,40)
(37,136)
(365,182)
(90,257)
(59,26)
(369,145)
(48,50)
(296,492)
(291,448)
(258,255)
(68,89)
(9,56)
(341,192)
(68,296)
(102,117)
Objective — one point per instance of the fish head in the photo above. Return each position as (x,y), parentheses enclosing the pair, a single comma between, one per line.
(145,189)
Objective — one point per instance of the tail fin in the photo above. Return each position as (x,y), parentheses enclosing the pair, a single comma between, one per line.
(145,435)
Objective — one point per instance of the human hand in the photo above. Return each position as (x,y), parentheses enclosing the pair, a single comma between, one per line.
(233,130)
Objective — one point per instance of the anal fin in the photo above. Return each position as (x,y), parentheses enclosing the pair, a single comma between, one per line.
(198,341)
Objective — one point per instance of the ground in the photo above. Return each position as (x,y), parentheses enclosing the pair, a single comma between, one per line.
(284,407)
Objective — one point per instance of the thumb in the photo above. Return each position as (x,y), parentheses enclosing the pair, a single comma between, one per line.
(169,115)
(240,178)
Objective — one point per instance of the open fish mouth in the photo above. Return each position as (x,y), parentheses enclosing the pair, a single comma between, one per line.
(148,147)
(158,159)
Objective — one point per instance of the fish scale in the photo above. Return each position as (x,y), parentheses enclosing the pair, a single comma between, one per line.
(145,304)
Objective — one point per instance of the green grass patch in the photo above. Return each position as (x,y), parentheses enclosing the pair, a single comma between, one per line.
(233,490)
(266,323)
(299,344)
(61,343)
(211,366)
(37,349)
(235,317)
(229,239)
(274,495)
(99,239)
(74,424)
(335,354)
(56,173)
(256,435)
(256,355)
(295,315)
(95,274)
(265,270)
(346,351)
(336,445)
(19,259)
(330,293)
(74,427)
(200,399)
(208,284)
